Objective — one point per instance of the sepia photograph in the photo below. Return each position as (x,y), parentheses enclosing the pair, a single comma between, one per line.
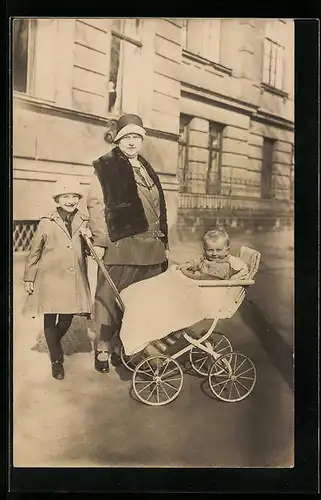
(153,242)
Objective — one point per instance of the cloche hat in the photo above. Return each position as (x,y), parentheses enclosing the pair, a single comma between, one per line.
(67,186)
(129,124)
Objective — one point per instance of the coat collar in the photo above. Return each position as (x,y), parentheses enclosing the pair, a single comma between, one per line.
(78,219)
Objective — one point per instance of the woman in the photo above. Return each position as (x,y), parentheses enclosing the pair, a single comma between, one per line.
(128,221)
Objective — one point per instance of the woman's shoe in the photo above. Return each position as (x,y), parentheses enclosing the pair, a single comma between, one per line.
(57,370)
(101,361)
(115,359)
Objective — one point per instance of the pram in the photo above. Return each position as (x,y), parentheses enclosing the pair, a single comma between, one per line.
(158,379)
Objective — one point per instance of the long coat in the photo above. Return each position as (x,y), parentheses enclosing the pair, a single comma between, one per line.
(57,266)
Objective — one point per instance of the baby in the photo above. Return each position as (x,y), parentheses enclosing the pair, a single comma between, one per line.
(216,261)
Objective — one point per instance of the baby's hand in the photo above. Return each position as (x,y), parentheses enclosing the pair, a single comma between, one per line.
(28,286)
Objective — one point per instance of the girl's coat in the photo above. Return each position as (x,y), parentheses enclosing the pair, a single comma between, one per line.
(57,266)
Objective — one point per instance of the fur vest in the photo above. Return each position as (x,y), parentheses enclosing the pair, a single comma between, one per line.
(124,210)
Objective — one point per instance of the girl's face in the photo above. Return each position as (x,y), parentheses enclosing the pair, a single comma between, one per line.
(68,202)
(215,250)
(131,144)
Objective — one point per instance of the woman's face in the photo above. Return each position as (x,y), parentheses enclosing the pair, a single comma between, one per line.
(131,144)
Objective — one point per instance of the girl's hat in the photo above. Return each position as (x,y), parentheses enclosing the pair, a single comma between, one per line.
(129,124)
(67,186)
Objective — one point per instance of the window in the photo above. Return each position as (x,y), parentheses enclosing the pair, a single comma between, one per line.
(273,57)
(34,57)
(125,71)
(183,143)
(267,168)
(22,54)
(202,37)
(213,174)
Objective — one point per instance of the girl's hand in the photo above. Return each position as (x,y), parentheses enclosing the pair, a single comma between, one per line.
(28,286)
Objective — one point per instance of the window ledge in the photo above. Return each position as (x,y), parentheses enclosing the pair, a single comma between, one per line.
(42,104)
(274,90)
(207,62)
(52,108)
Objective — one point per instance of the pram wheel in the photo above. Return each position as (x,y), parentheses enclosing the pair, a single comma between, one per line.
(130,361)
(232,377)
(201,361)
(157,380)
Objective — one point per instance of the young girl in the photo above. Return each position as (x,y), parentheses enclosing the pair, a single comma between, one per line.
(55,275)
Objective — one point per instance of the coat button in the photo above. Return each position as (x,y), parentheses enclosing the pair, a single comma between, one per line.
(71,268)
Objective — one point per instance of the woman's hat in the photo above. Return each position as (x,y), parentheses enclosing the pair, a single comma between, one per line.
(129,124)
(67,186)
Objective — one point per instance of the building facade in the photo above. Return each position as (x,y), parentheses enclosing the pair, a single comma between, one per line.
(216,97)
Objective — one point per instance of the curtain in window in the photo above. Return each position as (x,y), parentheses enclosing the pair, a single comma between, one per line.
(131,77)
(20,38)
(183,155)
(115,83)
(213,176)
(279,67)
(46,63)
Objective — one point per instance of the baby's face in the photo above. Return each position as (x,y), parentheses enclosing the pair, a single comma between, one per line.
(215,250)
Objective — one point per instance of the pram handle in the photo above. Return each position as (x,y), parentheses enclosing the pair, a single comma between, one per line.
(224,283)
(103,269)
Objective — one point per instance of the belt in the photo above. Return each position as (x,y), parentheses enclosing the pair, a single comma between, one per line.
(155,233)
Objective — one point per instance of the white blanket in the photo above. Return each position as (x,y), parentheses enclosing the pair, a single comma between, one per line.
(158,306)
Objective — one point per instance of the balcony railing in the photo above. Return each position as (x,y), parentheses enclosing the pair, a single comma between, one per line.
(233,204)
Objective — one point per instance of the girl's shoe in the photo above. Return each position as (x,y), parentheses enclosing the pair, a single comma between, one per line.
(57,370)
(61,357)
(101,361)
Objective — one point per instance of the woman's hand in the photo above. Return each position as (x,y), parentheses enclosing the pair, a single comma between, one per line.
(86,232)
(167,254)
(100,252)
(28,286)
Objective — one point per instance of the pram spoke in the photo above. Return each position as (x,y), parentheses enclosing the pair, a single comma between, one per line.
(225,370)
(146,386)
(161,380)
(201,361)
